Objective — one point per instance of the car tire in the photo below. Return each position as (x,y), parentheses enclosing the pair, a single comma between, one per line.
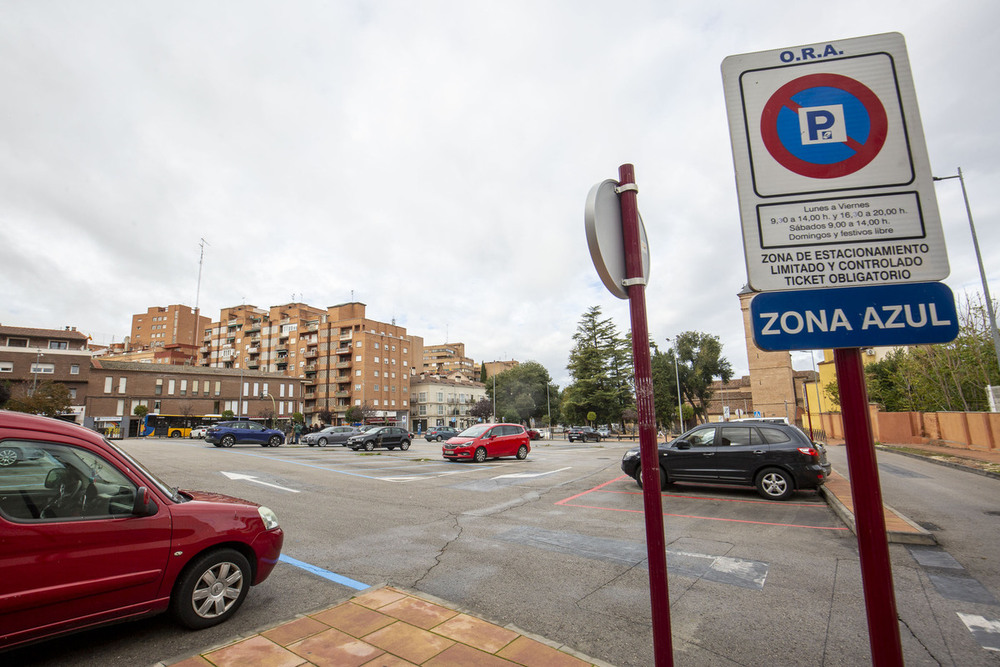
(175,434)
(480,454)
(211,589)
(774,484)
(369,446)
(275,441)
(8,456)
(522,452)
(663,477)
(321,443)
(404,445)
(228,441)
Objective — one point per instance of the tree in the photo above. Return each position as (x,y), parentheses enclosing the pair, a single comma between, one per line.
(140,411)
(601,372)
(521,392)
(5,392)
(325,416)
(699,362)
(49,398)
(354,415)
(482,409)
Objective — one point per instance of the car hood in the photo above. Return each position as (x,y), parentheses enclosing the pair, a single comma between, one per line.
(220,498)
(458,441)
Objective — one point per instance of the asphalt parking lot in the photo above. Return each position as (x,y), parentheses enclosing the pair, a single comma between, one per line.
(553,545)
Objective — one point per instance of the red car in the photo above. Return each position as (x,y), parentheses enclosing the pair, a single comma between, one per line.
(89,536)
(488,441)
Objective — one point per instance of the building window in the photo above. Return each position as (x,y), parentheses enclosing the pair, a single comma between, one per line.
(17,342)
(72,393)
(171,385)
(6,366)
(376,402)
(158,389)
(44,369)
(121,385)
(194,387)
(184,387)
(74,369)
(58,345)
(120,409)
(218,387)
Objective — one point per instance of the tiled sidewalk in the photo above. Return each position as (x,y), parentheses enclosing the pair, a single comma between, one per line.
(387,627)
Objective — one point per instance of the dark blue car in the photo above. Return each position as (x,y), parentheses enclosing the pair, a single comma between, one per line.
(227,434)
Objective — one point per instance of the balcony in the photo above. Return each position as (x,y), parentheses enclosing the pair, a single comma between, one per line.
(311,353)
(344,364)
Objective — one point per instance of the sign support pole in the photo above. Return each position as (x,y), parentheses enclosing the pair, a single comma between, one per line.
(873,546)
(656,549)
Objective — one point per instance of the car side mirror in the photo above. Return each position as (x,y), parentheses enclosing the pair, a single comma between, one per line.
(143,505)
(682,444)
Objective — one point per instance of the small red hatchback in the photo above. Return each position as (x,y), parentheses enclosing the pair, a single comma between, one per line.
(488,441)
(89,536)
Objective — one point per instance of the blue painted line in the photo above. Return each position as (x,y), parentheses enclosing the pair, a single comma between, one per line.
(326,574)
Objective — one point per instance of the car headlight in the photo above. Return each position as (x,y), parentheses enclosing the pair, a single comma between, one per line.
(631,454)
(269,518)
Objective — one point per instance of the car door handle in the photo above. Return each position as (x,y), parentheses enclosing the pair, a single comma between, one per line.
(758,451)
(709,454)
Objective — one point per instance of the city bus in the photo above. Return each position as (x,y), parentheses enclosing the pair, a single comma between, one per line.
(174,426)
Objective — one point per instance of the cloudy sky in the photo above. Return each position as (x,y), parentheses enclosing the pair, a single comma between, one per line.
(430,158)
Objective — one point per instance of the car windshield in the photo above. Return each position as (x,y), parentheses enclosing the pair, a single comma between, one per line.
(163,486)
(374,429)
(474,431)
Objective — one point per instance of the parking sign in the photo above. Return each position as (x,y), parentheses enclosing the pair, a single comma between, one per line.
(832,173)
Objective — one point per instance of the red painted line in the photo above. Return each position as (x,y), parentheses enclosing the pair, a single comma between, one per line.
(773,503)
(600,486)
(705,518)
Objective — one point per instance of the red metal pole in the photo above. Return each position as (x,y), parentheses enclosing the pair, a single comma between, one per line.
(869,517)
(656,548)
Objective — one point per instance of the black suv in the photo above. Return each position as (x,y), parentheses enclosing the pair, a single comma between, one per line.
(582,433)
(440,433)
(776,458)
(389,437)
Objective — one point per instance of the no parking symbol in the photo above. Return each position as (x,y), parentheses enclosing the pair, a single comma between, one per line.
(824,125)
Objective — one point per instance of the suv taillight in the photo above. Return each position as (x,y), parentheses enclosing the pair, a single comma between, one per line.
(809,451)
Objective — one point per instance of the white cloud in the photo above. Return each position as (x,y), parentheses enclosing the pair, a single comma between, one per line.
(431,157)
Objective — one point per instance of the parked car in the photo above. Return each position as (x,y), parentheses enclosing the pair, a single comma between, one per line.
(389,437)
(534,435)
(488,441)
(440,433)
(199,431)
(227,434)
(582,433)
(604,432)
(777,459)
(331,435)
(90,537)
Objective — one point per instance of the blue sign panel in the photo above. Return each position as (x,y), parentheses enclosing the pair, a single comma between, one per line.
(878,316)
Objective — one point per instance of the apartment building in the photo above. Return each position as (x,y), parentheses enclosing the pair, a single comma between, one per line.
(30,356)
(344,358)
(439,400)
(161,326)
(117,387)
(498,367)
(448,358)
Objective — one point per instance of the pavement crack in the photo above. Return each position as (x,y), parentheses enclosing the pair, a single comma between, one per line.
(457,526)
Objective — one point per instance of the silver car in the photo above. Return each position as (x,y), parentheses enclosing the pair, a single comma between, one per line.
(331,435)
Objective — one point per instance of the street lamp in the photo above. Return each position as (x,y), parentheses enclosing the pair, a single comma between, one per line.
(677,377)
(979,258)
(34,384)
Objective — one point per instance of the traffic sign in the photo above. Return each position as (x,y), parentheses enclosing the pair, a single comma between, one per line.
(881,316)
(831,165)
(824,125)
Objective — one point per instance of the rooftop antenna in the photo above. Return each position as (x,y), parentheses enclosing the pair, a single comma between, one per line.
(197,294)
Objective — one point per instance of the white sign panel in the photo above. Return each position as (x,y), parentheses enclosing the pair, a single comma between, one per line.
(834,182)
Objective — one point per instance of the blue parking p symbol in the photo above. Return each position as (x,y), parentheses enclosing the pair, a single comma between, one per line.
(822,125)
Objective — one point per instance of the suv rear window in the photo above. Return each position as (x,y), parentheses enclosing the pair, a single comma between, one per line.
(774,436)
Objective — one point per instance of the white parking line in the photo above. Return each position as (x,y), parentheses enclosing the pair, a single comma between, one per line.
(518,475)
